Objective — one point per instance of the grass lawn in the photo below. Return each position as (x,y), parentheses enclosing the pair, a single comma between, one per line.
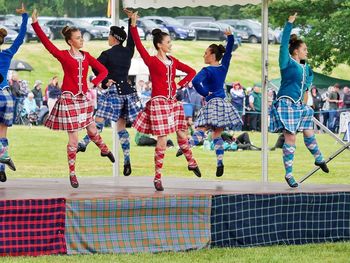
(245,64)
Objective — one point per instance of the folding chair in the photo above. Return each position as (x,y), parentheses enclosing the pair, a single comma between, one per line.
(335,154)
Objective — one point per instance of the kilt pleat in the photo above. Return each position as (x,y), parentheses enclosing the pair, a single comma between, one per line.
(6,107)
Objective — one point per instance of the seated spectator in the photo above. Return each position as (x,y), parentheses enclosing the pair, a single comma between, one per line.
(29,105)
(142,139)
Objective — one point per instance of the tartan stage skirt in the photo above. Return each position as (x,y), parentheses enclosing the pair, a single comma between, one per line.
(161,116)
(112,106)
(71,113)
(218,113)
(6,107)
(290,116)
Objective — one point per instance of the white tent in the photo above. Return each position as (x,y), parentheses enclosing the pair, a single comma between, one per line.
(264,43)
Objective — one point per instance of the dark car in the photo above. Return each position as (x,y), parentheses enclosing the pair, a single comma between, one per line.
(212,31)
(186,20)
(148,25)
(87,30)
(176,30)
(14,23)
(252,29)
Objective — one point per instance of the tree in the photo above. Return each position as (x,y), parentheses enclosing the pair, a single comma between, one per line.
(328,34)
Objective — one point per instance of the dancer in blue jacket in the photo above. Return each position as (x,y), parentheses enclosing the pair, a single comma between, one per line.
(218,113)
(289,113)
(6,99)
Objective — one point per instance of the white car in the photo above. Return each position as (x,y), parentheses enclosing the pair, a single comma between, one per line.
(107,22)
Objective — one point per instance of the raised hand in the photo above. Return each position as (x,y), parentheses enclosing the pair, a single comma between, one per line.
(35,16)
(128,12)
(292,18)
(134,17)
(21,10)
(228,31)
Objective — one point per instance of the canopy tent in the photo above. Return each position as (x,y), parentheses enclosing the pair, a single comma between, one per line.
(264,43)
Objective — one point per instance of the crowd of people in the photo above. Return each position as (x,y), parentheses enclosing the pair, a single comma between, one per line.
(156,108)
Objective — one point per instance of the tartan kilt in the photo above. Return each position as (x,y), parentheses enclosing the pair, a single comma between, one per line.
(71,113)
(290,116)
(112,106)
(6,107)
(161,116)
(218,113)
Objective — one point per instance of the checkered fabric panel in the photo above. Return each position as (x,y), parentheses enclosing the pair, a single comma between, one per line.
(32,227)
(138,225)
(251,220)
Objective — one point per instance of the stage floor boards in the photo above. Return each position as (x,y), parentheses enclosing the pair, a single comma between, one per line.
(127,187)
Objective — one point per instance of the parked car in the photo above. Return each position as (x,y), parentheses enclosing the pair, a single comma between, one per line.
(14,23)
(186,20)
(176,30)
(252,29)
(87,30)
(107,23)
(148,26)
(212,31)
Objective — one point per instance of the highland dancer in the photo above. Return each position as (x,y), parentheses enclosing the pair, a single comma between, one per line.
(163,114)
(289,114)
(73,110)
(218,113)
(6,99)
(119,103)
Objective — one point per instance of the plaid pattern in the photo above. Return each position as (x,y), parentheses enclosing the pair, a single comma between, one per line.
(293,117)
(112,106)
(218,113)
(161,116)
(6,107)
(251,220)
(138,225)
(71,113)
(32,227)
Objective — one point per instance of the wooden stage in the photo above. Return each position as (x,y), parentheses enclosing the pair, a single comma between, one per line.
(126,187)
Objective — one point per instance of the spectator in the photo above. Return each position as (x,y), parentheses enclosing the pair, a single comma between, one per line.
(255,105)
(325,107)
(333,99)
(346,97)
(54,92)
(29,105)
(238,96)
(38,94)
(142,139)
(193,102)
(18,93)
(317,103)
(146,93)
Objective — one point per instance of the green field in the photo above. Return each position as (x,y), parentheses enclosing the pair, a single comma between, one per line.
(245,65)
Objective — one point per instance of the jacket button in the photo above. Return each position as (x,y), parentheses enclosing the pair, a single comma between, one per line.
(122,81)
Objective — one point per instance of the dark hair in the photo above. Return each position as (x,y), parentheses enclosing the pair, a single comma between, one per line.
(294,43)
(218,50)
(158,36)
(67,32)
(3,34)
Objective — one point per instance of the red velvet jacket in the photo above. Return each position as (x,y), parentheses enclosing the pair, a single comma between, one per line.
(162,75)
(75,71)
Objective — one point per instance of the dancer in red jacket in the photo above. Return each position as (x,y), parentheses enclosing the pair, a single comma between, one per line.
(163,114)
(73,110)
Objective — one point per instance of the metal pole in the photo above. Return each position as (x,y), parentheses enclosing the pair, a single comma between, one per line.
(264,82)
(115,12)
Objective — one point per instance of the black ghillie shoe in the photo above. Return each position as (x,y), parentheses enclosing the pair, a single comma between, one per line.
(219,171)
(127,169)
(195,170)
(81,147)
(8,162)
(109,155)
(3,176)
(323,166)
(74,181)
(158,185)
(291,182)
(179,152)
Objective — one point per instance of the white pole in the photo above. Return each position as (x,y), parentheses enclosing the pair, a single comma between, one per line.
(264,82)
(115,139)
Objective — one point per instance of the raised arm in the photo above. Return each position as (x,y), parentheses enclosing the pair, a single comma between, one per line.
(135,35)
(43,38)
(130,41)
(284,50)
(22,31)
(229,47)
